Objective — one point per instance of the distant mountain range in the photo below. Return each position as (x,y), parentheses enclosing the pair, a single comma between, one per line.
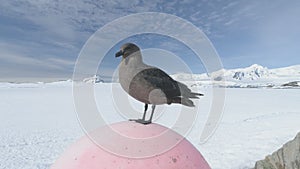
(255,76)
(93,79)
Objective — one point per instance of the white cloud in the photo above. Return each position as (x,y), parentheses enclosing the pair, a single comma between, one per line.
(16,61)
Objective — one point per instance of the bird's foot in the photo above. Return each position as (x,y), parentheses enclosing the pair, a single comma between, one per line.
(145,122)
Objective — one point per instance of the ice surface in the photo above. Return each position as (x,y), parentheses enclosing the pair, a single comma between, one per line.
(38,121)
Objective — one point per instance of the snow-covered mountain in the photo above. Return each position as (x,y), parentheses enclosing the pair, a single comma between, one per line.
(93,79)
(252,76)
(253,72)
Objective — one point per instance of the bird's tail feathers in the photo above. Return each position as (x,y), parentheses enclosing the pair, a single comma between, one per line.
(192,95)
(186,92)
(197,94)
(183,101)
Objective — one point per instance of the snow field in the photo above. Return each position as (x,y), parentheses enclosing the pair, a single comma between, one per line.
(38,122)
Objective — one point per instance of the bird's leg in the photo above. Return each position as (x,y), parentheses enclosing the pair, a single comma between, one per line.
(145,111)
(152,112)
(142,121)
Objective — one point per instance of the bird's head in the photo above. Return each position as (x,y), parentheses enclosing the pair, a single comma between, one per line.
(127,49)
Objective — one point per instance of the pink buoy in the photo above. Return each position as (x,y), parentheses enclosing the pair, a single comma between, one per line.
(137,150)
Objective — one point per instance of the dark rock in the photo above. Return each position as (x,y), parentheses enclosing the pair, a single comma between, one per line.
(287,157)
(292,84)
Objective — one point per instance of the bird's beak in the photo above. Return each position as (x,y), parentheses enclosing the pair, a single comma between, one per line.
(119,53)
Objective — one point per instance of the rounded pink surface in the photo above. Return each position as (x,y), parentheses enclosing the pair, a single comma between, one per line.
(135,146)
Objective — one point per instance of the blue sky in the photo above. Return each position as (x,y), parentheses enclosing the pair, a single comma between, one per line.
(42,39)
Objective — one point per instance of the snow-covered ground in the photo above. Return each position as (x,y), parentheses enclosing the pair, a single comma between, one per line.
(38,122)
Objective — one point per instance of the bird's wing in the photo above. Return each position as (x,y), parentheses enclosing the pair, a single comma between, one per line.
(158,79)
